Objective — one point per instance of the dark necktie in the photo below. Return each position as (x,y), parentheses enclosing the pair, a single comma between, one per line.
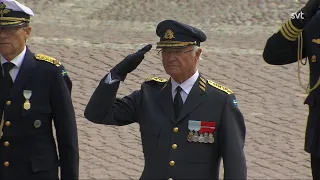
(7,80)
(177,103)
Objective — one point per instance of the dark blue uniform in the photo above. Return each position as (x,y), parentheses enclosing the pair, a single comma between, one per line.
(292,44)
(27,147)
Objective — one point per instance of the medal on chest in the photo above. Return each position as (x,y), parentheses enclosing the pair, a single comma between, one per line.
(201,131)
(27,94)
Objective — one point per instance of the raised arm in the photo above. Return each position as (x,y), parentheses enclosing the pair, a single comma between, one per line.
(103,106)
(287,45)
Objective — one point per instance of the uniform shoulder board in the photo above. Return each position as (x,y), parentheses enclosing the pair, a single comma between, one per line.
(220,87)
(154,78)
(49,59)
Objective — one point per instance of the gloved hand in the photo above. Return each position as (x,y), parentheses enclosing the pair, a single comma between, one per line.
(128,64)
(307,12)
(310,9)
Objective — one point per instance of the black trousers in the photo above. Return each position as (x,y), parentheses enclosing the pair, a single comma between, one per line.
(315,166)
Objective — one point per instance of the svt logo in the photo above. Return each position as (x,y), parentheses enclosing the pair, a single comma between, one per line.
(299,15)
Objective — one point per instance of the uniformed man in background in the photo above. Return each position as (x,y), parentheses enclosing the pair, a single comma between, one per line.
(187,123)
(297,39)
(32,93)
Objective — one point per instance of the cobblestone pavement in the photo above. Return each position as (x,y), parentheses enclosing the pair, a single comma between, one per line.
(91,36)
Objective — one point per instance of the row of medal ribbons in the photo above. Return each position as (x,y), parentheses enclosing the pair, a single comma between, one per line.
(201,131)
(200,137)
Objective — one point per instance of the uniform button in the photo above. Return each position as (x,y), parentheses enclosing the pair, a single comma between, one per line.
(172,163)
(8,103)
(6,143)
(174,146)
(6,164)
(8,123)
(176,129)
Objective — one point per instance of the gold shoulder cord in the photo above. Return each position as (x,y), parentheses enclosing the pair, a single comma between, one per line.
(299,55)
(300,49)
(1,125)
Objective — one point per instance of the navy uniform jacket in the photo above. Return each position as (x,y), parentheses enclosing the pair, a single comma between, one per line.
(290,45)
(27,147)
(167,152)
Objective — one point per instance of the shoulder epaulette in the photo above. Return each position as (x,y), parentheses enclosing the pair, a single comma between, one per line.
(154,78)
(49,59)
(220,87)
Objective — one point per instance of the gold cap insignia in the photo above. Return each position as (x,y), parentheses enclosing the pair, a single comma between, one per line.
(169,34)
(313,58)
(3,9)
(317,41)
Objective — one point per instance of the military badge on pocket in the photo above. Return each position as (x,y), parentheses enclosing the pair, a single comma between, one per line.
(201,131)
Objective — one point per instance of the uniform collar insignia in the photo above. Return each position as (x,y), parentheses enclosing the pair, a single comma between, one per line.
(202,84)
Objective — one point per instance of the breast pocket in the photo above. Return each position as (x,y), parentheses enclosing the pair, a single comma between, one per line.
(38,119)
(150,138)
(199,152)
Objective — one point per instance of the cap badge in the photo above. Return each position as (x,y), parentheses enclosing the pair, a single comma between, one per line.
(3,9)
(169,34)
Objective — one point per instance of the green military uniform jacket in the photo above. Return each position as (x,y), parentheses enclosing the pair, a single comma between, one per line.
(167,152)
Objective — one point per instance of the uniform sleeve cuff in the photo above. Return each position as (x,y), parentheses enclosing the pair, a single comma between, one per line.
(290,30)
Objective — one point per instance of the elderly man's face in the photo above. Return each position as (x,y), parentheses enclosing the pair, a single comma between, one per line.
(13,40)
(180,63)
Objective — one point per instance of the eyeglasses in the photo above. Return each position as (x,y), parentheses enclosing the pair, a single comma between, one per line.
(177,52)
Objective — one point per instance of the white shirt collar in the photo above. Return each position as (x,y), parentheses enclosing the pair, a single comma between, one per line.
(186,85)
(17,60)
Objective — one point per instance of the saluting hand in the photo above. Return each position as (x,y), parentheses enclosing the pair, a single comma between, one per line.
(311,8)
(129,63)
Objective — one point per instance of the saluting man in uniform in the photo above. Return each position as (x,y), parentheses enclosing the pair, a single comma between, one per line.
(33,94)
(297,39)
(187,123)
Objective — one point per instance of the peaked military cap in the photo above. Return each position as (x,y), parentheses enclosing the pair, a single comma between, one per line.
(174,34)
(12,13)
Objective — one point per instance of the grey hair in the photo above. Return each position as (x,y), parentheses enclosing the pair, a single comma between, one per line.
(195,49)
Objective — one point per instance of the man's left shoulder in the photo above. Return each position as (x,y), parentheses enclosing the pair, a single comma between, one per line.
(225,90)
(51,61)
(48,59)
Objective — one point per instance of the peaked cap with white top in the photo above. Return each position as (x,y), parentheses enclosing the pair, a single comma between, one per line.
(13,13)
